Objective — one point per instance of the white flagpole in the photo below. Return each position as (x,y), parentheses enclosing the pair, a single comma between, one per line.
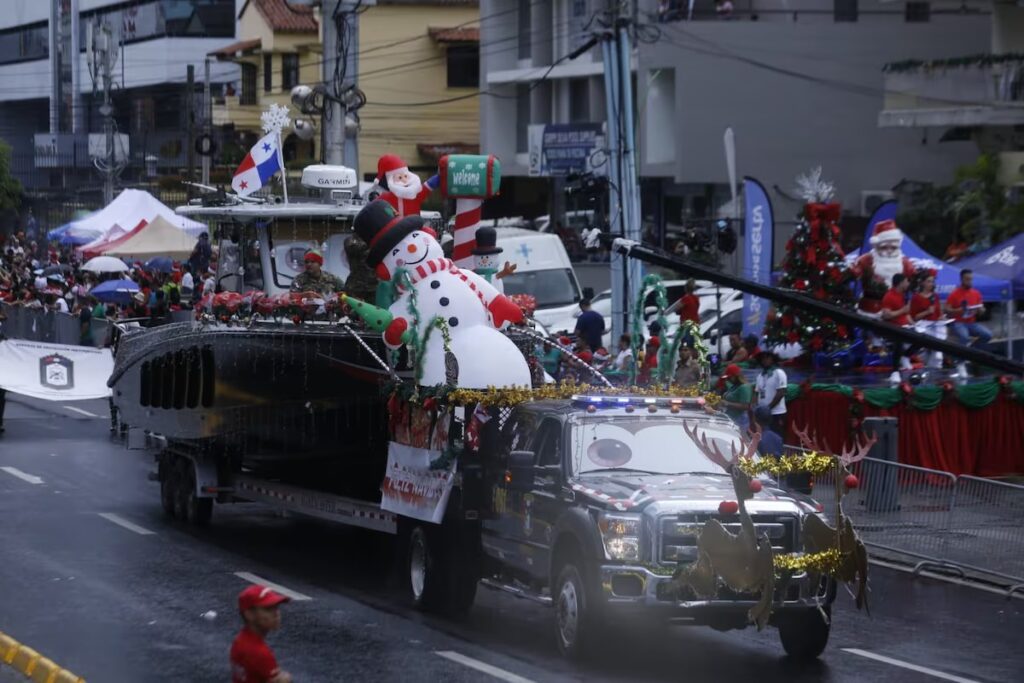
(284,171)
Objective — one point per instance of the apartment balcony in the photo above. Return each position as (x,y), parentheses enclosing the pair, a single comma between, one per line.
(986,91)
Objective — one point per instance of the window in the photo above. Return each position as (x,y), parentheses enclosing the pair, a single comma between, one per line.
(915,12)
(549,443)
(845,10)
(579,100)
(248,95)
(463,66)
(24,43)
(268,73)
(525,30)
(289,71)
(522,117)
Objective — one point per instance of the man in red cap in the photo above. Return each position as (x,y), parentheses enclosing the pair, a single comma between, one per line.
(314,278)
(403,189)
(252,660)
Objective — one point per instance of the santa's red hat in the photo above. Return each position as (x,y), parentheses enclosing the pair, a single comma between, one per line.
(886,231)
(389,163)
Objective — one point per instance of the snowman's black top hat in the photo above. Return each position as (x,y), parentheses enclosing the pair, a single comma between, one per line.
(486,242)
(380,226)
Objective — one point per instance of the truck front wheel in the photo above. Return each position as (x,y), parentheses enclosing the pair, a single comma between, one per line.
(804,634)
(577,622)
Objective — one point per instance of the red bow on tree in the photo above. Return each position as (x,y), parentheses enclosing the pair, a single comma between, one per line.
(825,212)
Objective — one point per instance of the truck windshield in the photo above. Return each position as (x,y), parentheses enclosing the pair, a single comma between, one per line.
(646,444)
(551,287)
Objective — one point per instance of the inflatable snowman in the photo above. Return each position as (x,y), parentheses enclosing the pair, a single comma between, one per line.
(472,307)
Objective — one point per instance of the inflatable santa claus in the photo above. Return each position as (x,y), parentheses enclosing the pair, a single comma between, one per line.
(876,268)
(403,189)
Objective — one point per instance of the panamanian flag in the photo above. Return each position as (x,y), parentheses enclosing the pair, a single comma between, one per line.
(258,166)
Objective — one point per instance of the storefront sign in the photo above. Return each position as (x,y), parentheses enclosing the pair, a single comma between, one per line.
(559,149)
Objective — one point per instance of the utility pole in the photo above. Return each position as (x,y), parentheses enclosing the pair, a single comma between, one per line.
(624,203)
(337,147)
(190,89)
(207,120)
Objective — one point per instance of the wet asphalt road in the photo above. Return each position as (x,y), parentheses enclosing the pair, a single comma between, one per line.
(113,604)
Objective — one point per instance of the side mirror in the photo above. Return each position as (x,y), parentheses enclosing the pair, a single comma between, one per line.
(519,474)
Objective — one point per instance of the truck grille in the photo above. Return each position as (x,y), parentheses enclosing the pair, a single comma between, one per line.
(678,533)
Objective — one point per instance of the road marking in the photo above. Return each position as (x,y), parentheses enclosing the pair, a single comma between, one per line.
(907,665)
(15,472)
(484,667)
(82,412)
(252,578)
(122,522)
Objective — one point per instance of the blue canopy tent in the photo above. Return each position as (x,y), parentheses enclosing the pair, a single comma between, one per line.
(1004,261)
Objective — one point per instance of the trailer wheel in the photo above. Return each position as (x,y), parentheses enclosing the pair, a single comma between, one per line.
(168,493)
(804,634)
(197,511)
(179,478)
(425,582)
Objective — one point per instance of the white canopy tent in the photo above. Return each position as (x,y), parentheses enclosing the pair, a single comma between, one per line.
(129,208)
(158,238)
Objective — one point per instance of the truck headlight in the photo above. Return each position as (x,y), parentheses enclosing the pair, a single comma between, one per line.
(621,536)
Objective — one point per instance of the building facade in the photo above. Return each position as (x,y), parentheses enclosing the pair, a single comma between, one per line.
(52,87)
(970,95)
(279,47)
(799,82)
(418,65)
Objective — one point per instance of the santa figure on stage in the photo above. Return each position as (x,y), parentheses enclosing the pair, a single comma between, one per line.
(403,189)
(876,268)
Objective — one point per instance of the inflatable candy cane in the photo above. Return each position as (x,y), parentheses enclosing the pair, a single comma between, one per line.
(469,179)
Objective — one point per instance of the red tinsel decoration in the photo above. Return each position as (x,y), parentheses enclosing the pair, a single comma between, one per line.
(787,321)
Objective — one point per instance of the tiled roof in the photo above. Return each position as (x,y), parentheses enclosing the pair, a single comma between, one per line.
(469,34)
(234,48)
(282,16)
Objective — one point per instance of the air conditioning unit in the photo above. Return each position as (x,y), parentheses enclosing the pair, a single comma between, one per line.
(872,199)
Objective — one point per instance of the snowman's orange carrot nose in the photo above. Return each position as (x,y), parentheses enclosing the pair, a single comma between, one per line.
(411,248)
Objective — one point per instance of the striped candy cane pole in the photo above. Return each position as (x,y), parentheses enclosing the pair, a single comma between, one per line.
(467,220)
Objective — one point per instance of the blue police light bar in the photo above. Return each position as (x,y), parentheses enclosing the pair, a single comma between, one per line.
(610,401)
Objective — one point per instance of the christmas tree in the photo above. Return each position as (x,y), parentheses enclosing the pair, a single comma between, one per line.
(813,265)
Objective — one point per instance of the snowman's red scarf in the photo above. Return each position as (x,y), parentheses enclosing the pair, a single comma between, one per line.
(439,265)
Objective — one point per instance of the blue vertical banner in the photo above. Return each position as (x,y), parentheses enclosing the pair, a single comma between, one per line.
(759,235)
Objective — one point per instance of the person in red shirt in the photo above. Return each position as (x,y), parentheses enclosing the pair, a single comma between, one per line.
(896,310)
(963,305)
(252,660)
(926,311)
(688,305)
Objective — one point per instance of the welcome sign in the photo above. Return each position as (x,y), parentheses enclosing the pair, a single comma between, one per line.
(470,175)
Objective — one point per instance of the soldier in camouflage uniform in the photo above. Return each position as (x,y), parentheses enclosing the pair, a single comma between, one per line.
(362,281)
(314,278)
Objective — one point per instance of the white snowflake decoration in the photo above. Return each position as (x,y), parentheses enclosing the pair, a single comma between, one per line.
(275,119)
(813,189)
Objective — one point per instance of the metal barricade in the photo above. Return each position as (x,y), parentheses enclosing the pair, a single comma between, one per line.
(987,529)
(902,508)
(935,517)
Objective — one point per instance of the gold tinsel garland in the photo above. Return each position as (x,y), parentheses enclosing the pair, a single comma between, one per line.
(825,562)
(813,463)
(506,397)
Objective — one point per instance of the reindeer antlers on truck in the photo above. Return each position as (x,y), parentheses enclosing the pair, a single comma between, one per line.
(862,444)
(747,448)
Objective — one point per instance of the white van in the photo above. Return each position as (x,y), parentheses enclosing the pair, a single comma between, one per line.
(543,271)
